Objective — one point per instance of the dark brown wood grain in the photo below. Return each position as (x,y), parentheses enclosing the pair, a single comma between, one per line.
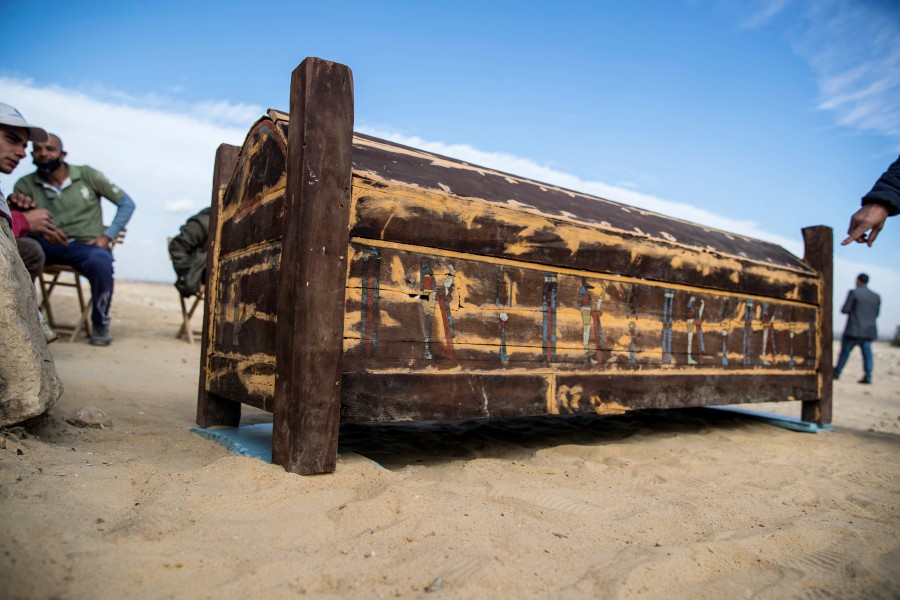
(313,268)
(819,254)
(213,409)
(547,245)
(247,302)
(680,390)
(254,200)
(250,379)
(374,397)
(494,198)
(371,397)
(356,280)
(488,315)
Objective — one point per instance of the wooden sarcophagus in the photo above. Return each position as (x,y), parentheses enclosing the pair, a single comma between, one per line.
(352,279)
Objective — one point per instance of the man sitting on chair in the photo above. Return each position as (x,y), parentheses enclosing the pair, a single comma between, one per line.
(72,195)
(188,253)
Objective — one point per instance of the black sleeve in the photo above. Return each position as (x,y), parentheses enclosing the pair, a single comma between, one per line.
(886,190)
(183,245)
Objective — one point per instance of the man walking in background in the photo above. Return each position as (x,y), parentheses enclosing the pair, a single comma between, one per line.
(861,307)
(72,195)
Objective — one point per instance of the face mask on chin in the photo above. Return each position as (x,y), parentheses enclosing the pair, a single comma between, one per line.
(48,167)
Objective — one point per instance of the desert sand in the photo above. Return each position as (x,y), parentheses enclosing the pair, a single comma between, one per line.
(680,504)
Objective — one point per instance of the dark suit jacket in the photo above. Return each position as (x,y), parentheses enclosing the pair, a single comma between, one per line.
(862,306)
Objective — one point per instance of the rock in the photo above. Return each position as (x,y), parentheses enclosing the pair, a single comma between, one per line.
(435,585)
(29,384)
(90,416)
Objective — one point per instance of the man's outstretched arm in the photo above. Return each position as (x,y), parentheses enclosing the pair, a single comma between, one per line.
(881,202)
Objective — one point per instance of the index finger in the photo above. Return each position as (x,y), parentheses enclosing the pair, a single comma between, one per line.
(856,235)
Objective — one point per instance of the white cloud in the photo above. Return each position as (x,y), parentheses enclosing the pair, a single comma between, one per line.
(762,11)
(628,184)
(852,49)
(228,114)
(183,205)
(854,53)
(164,160)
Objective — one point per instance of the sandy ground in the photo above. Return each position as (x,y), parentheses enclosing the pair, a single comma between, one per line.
(683,504)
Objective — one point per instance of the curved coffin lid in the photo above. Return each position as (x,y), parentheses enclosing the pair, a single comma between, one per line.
(736,262)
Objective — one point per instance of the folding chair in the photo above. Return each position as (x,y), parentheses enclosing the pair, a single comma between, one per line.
(187,313)
(49,281)
(55,276)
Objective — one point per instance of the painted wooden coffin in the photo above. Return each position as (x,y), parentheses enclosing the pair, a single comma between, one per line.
(352,279)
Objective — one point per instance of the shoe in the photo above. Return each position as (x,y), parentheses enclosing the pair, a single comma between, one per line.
(50,336)
(866,381)
(100,336)
(836,376)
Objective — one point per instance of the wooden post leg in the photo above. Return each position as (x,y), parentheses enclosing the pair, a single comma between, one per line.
(211,408)
(313,268)
(818,253)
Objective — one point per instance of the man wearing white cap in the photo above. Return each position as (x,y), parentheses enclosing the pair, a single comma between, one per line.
(35,221)
(29,384)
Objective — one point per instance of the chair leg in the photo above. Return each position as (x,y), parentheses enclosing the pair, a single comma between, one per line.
(186,316)
(46,290)
(84,320)
(197,299)
(185,322)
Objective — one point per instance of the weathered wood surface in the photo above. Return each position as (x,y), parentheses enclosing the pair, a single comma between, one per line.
(246,223)
(313,271)
(377,397)
(819,254)
(361,280)
(485,212)
(502,313)
(414,308)
(212,408)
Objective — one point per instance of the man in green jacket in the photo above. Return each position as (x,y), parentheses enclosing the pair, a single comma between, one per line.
(72,195)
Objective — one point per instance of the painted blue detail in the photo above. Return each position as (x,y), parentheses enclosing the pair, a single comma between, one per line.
(748,333)
(667,317)
(791,423)
(553,321)
(253,441)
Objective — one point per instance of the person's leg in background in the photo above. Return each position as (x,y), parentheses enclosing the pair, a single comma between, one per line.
(96,264)
(847,345)
(868,361)
(32,255)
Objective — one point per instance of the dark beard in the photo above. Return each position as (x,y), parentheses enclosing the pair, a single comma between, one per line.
(48,167)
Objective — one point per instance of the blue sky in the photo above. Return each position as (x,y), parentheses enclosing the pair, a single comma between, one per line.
(756,117)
